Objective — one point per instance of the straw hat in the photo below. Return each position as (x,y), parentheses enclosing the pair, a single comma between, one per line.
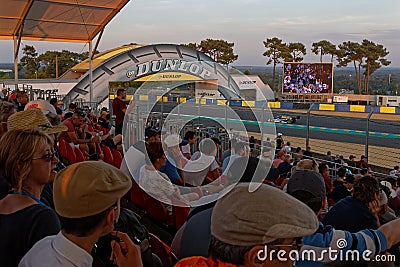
(33,118)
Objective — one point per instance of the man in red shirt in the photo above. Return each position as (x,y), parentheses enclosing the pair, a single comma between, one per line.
(76,136)
(119,109)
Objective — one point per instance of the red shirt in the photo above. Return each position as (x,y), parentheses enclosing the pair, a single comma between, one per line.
(118,105)
(71,128)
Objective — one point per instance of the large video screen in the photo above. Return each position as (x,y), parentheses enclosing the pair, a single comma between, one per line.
(307,78)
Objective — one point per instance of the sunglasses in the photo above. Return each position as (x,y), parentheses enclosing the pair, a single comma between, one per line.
(47,157)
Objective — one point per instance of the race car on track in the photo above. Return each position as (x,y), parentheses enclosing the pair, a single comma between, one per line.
(285,119)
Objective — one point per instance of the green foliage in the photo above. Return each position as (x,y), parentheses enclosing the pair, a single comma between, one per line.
(4,76)
(247,72)
(219,50)
(324,47)
(29,61)
(66,60)
(277,52)
(367,56)
(297,51)
(193,46)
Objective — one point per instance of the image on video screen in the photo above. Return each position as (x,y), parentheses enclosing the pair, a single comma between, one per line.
(307,78)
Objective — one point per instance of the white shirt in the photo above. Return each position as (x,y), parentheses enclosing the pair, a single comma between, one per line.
(54,251)
(287,149)
(158,185)
(186,149)
(196,169)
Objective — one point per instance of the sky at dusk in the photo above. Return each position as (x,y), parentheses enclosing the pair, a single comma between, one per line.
(246,23)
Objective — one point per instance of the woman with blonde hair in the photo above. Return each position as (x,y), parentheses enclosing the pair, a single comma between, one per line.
(27,163)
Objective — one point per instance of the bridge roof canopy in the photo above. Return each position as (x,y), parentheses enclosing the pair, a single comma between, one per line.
(56,20)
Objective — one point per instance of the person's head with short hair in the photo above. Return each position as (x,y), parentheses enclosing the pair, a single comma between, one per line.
(121,94)
(396,167)
(247,169)
(281,154)
(22,97)
(366,189)
(72,106)
(155,155)
(307,164)
(242,148)
(87,198)
(323,168)
(288,158)
(242,223)
(309,187)
(78,118)
(6,110)
(348,181)
(328,153)
(26,156)
(352,157)
(298,150)
(208,147)
(152,134)
(364,171)
(392,181)
(341,173)
(288,143)
(191,137)
(54,102)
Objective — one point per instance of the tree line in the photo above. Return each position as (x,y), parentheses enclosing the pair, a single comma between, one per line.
(366,57)
(49,64)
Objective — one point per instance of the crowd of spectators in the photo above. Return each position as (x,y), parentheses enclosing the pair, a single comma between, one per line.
(53,211)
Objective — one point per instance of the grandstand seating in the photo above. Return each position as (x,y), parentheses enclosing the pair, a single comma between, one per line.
(117,158)
(157,211)
(62,148)
(180,212)
(137,195)
(108,156)
(79,155)
(162,250)
(71,156)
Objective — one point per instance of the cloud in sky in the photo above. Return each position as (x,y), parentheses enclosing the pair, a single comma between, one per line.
(247,23)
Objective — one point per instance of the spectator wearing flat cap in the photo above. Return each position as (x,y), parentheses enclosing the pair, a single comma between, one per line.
(243,225)
(197,227)
(308,187)
(87,200)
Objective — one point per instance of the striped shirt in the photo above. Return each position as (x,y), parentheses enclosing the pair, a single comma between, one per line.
(328,238)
